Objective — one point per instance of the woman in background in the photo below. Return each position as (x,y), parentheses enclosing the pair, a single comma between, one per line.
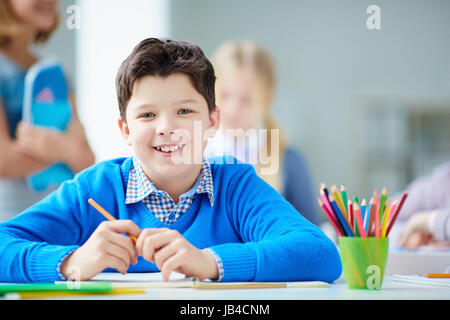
(244,93)
(26,149)
(425,216)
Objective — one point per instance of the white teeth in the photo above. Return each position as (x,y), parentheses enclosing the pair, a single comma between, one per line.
(168,149)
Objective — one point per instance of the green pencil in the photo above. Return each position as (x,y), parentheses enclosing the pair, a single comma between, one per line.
(68,286)
(382,203)
(344,196)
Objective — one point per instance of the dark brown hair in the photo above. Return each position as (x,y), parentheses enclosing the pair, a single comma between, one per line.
(163,57)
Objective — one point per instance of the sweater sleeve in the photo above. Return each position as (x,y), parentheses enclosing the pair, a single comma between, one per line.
(440,227)
(278,244)
(33,243)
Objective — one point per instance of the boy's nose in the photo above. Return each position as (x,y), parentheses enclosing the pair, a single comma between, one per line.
(165,127)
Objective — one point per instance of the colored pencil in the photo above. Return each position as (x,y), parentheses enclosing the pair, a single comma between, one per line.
(395,214)
(436,275)
(376,227)
(359,221)
(382,203)
(56,294)
(339,202)
(324,196)
(107,215)
(386,218)
(350,213)
(330,217)
(323,187)
(393,207)
(376,197)
(344,195)
(341,218)
(368,217)
(363,208)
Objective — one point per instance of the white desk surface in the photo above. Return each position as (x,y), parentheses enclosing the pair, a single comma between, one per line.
(391,290)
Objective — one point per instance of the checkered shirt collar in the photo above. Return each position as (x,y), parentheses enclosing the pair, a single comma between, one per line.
(140,187)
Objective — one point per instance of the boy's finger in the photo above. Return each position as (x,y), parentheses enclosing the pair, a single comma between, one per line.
(144,235)
(171,264)
(165,253)
(114,262)
(126,243)
(157,241)
(118,252)
(124,226)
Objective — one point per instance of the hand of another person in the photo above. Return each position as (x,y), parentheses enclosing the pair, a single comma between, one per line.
(416,231)
(43,144)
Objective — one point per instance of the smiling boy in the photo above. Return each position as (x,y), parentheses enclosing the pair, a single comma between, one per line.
(206,218)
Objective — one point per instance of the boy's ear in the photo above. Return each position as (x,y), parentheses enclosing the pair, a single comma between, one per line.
(125,130)
(214,119)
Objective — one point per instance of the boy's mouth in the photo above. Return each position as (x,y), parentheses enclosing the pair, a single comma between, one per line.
(169,149)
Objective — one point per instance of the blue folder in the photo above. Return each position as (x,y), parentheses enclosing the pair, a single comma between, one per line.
(46,104)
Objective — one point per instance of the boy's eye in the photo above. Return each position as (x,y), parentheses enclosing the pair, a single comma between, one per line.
(184,111)
(147,115)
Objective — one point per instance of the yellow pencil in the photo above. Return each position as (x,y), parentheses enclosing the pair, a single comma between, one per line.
(386,218)
(55,294)
(107,215)
(339,202)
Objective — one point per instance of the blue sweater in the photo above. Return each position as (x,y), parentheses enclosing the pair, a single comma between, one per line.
(256,233)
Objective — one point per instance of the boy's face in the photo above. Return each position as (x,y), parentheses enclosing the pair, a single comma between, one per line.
(166,122)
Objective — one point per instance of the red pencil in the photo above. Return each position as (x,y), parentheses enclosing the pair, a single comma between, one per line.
(359,222)
(330,217)
(376,228)
(350,214)
(397,211)
(371,217)
(324,195)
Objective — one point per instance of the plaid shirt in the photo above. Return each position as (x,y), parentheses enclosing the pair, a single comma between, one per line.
(159,202)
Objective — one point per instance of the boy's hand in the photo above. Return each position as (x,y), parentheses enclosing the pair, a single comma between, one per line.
(170,251)
(106,248)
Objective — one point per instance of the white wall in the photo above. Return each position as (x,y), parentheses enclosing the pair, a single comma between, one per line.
(109,30)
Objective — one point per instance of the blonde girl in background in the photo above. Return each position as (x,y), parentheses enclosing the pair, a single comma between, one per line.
(245,89)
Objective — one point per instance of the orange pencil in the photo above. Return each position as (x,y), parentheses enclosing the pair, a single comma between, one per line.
(107,215)
(376,198)
(436,275)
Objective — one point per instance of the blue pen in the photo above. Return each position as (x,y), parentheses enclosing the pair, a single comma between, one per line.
(340,217)
(367,217)
(363,208)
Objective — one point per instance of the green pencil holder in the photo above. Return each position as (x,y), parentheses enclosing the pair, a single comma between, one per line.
(364,261)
